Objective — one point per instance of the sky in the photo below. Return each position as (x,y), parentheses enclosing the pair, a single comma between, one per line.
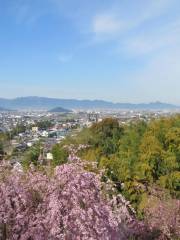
(116,50)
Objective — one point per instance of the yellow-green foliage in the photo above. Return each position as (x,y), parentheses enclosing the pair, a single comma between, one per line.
(91,155)
(83,137)
(138,155)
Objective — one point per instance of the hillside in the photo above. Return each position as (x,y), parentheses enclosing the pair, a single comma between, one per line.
(60,110)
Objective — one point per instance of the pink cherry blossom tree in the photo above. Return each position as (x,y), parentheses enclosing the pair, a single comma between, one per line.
(71,203)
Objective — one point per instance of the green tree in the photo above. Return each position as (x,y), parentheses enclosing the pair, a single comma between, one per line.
(106,135)
(60,155)
(32,155)
(1,147)
(44,125)
(151,153)
(128,152)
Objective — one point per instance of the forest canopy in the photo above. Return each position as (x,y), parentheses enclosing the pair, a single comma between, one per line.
(139,156)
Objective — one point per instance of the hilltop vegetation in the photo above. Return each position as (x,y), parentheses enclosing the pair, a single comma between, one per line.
(137,154)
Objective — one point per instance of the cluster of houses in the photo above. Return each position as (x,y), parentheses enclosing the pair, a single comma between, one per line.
(32,132)
(59,129)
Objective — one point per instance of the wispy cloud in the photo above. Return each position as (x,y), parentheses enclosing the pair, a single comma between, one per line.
(121,20)
(149,10)
(158,39)
(106,24)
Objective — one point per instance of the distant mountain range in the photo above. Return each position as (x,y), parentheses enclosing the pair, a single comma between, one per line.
(44,103)
(4,109)
(60,110)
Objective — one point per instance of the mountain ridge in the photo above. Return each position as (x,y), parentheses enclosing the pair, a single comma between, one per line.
(46,103)
(2,109)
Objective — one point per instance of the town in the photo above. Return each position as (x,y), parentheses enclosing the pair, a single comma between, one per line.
(20,131)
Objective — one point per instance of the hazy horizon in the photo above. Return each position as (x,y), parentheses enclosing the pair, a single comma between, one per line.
(88,99)
(118,51)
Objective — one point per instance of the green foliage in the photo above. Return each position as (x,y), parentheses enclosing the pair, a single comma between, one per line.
(44,125)
(139,155)
(128,152)
(172,182)
(85,136)
(151,153)
(92,155)
(60,155)
(106,135)
(4,137)
(20,128)
(31,156)
(1,147)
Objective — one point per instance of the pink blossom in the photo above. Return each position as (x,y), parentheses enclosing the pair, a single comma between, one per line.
(71,204)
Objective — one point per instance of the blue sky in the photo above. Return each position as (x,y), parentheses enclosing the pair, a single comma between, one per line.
(118,50)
